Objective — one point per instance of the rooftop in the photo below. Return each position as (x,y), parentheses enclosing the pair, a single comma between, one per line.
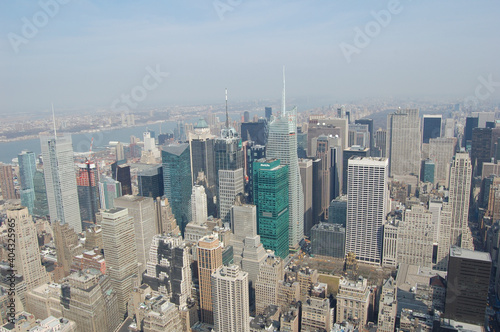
(469,254)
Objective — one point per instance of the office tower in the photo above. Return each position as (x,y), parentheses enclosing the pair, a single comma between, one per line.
(441,151)
(177,181)
(431,127)
(243,225)
(230,185)
(359,135)
(41,206)
(180,131)
(230,299)
(428,170)
(319,125)
(328,240)
(150,182)
(67,245)
(449,128)
(353,300)
(60,180)
(416,237)
(209,253)
(27,255)
(253,255)
(255,131)
(163,316)
(168,271)
(317,184)
(381,142)
(271,273)
(301,143)
(88,299)
(228,152)
(271,198)
(483,118)
(403,142)
(468,281)
(109,189)
(336,167)
(268,113)
(121,173)
(338,211)
(120,254)
(317,315)
(470,124)
(142,210)
(93,238)
(88,192)
(366,207)
(390,245)
(388,306)
(199,212)
(369,123)
(253,153)
(480,149)
(119,152)
(27,170)
(282,145)
(459,197)
(165,138)
(246,116)
(7,182)
(165,219)
(323,152)
(203,159)
(353,151)
(306,177)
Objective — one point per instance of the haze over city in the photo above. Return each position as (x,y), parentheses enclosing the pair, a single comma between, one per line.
(86,54)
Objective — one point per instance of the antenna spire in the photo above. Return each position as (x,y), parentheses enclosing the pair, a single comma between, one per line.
(283,109)
(54,121)
(227,114)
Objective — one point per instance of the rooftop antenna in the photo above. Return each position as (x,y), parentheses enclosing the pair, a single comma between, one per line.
(54,121)
(227,114)
(283,110)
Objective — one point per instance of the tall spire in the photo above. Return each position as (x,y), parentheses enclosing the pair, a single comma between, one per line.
(227,114)
(54,121)
(283,109)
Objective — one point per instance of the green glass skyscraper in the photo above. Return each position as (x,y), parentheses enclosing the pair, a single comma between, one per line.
(270,189)
(27,169)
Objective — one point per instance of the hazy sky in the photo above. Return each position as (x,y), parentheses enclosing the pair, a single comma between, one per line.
(91,52)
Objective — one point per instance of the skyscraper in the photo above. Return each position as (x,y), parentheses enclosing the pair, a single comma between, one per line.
(431,127)
(282,145)
(266,287)
(381,142)
(230,299)
(41,206)
(119,152)
(480,149)
(121,173)
(209,254)
(369,123)
(268,112)
(306,177)
(7,182)
(88,191)
(271,198)
(255,131)
(150,182)
(120,254)
(109,189)
(27,255)
(441,151)
(459,197)
(27,170)
(230,185)
(60,180)
(199,212)
(403,142)
(253,152)
(367,196)
(177,181)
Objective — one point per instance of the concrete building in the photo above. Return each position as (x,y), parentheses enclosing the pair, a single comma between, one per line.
(306,177)
(381,142)
(162,316)
(387,306)
(390,248)
(366,208)
(7,182)
(230,299)
(316,315)
(165,219)
(441,151)
(230,185)
(353,299)
(416,237)
(67,245)
(266,286)
(199,212)
(120,252)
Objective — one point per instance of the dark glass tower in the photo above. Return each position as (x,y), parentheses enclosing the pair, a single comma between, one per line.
(150,182)
(432,127)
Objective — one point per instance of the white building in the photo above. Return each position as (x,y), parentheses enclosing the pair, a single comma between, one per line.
(230,185)
(199,205)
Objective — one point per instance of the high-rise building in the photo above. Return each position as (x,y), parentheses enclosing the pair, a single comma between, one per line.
(26,260)
(352,151)
(41,206)
(88,192)
(369,123)
(7,182)
(331,127)
(431,127)
(120,254)
(328,240)
(353,300)
(428,170)
(27,170)
(441,151)
(359,135)
(165,219)
(119,152)
(142,210)
(480,149)
(109,189)
(388,306)
(381,142)
(367,208)
(268,113)
(282,145)
(403,142)
(230,299)
(471,122)
(246,116)
(67,245)
(416,237)
(228,152)
(468,281)
(316,314)
(253,153)
(177,181)
(271,198)
(121,173)
(459,197)
(338,211)
(255,131)
(306,177)
(209,253)
(60,180)
(271,273)
(199,212)
(323,152)
(150,182)
(230,185)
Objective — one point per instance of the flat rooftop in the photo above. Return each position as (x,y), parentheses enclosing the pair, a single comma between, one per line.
(469,254)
